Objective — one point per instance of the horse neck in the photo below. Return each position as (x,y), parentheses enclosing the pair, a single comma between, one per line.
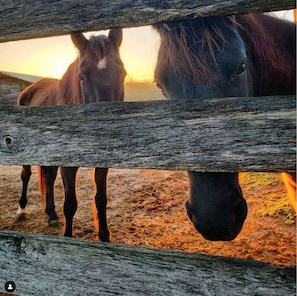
(69,90)
(270,46)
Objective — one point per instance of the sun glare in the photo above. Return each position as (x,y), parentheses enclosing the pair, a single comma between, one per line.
(50,57)
(138,70)
(47,66)
(57,64)
(53,59)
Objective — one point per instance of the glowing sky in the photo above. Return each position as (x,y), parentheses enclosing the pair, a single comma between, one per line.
(50,57)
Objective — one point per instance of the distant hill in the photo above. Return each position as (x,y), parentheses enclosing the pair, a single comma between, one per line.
(142,91)
(134,90)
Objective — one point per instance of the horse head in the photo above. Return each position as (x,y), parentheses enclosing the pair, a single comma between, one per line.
(203,59)
(100,70)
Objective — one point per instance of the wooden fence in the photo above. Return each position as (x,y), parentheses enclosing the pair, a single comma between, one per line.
(258,135)
(260,131)
(47,266)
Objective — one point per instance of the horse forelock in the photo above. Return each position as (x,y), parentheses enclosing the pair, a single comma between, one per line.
(99,46)
(100,52)
(189,46)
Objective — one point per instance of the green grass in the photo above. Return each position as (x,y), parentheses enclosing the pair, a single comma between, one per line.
(261,179)
(275,204)
(278,207)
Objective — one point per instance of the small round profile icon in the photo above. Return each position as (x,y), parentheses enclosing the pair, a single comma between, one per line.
(9,286)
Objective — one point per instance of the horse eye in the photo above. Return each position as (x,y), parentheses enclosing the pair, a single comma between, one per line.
(241,69)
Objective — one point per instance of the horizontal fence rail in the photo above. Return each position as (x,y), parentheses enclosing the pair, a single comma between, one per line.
(21,19)
(78,267)
(233,134)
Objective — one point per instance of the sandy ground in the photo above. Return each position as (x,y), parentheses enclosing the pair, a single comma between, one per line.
(146,208)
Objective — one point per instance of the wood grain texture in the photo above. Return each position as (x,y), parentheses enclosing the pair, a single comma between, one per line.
(21,19)
(45,265)
(235,134)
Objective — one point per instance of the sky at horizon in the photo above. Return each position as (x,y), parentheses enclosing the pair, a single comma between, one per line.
(50,57)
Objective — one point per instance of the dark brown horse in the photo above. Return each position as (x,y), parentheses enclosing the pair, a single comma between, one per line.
(96,75)
(233,56)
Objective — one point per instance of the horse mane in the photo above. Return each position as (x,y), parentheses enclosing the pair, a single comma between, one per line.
(188,46)
(98,46)
(271,43)
(69,90)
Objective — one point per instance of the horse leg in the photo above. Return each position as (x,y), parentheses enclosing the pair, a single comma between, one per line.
(70,203)
(25,176)
(101,202)
(49,174)
(289,180)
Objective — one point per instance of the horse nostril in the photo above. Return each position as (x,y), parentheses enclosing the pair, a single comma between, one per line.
(188,211)
(240,211)
(190,215)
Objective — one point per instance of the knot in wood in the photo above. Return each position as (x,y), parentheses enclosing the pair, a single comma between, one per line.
(7,140)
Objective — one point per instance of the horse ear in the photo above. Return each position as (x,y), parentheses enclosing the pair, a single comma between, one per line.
(80,41)
(158,27)
(116,37)
(162,28)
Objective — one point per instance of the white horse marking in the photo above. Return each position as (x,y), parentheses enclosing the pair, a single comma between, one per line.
(102,64)
(21,211)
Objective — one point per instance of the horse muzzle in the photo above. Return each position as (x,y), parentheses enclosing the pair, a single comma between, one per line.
(217,229)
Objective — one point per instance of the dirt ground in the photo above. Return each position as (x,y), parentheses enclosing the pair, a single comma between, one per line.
(146,208)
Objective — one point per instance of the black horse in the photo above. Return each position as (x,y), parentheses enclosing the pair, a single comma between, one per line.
(96,75)
(232,56)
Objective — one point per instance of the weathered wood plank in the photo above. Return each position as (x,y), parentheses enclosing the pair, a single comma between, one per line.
(21,19)
(257,134)
(44,265)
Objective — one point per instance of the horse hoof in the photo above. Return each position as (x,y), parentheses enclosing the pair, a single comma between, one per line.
(68,234)
(21,214)
(53,223)
(105,240)
(104,237)
(21,217)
